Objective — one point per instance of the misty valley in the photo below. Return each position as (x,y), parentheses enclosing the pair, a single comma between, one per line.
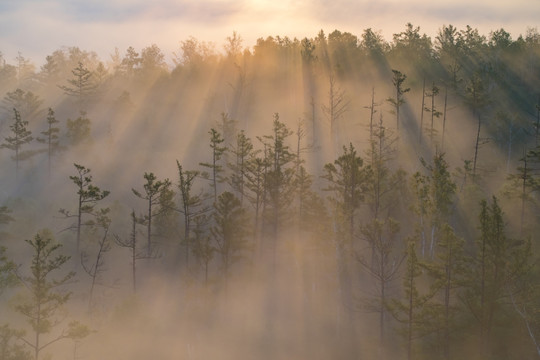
(333,197)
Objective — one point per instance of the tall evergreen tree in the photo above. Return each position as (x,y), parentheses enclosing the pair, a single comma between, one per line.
(398,79)
(498,262)
(21,136)
(45,299)
(216,141)
(88,197)
(279,181)
(131,244)
(152,191)
(230,230)
(51,138)
(81,86)
(191,204)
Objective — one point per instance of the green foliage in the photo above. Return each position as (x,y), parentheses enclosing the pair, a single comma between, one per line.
(347,182)
(498,263)
(21,136)
(10,349)
(51,137)
(191,205)
(278,177)
(26,102)
(81,86)
(243,152)
(44,300)
(88,197)
(398,79)
(153,190)
(79,130)
(216,169)
(230,230)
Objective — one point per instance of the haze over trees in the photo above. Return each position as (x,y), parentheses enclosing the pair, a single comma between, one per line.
(298,222)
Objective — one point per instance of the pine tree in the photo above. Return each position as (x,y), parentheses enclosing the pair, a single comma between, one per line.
(79,130)
(441,190)
(202,244)
(191,204)
(21,136)
(81,86)
(347,181)
(51,138)
(434,91)
(383,266)
(279,181)
(26,102)
(131,244)
(397,80)
(448,271)
(498,263)
(45,300)
(243,152)
(216,141)
(95,268)
(412,311)
(230,230)
(152,191)
(523,184)
(88,197)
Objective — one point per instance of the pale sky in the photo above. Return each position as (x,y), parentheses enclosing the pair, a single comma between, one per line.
(38,27)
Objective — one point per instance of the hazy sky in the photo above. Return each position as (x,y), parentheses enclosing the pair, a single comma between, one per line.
(38,27)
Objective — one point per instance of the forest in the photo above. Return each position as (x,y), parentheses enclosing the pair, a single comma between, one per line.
(334,197)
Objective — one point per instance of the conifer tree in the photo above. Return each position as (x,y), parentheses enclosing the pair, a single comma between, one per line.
(523,184)
(383,267)
(191,204)
(216,141)
(448,271)
(152,191)
(131,244)
(88,197)
(21,136)
(279,180)
(45,299)
(80,86)
(79,130)
(441,191)
(398,79)
(202,244)
(411,311)
(230,230)
(95,268)
(433,92)
(51,138)
(243,152)
(26,102)
(346,178)
(498,262)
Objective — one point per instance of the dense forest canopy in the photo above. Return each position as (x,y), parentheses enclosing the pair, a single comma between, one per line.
(339,196)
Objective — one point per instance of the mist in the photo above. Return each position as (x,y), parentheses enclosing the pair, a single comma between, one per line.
(362,162)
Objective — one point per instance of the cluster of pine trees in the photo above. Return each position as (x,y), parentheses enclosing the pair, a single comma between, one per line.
(369,207)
